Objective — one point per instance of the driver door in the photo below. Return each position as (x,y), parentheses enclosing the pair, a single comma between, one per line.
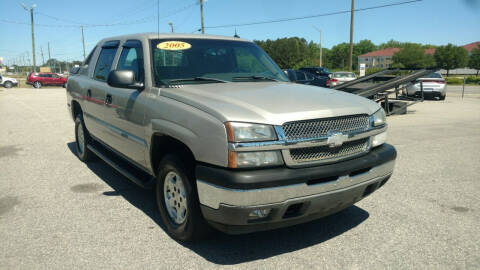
(124,109)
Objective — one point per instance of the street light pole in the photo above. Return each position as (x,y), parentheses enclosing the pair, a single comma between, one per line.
(320,44)
(33,33)
(171,26)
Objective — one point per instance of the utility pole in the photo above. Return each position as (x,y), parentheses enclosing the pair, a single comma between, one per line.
(171,26)
(43,58)
(201,16)
(351,37)
(33,33)
(83,42)
(320,44)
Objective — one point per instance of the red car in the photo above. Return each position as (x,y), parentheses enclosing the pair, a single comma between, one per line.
(39,79)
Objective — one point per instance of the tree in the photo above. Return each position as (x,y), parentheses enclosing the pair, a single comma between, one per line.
(451,57)
(338,55)
(363,46)
(390,44)
(475,59)
(411,56)
(287,52)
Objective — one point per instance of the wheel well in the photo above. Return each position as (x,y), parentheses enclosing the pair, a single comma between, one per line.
(76,109)
(163,145)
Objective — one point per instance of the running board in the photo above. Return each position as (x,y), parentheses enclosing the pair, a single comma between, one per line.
(140,178)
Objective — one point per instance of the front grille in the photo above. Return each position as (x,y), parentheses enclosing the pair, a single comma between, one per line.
(315,128)
(324,153)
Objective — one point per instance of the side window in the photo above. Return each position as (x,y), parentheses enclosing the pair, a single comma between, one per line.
(309,76)
(104,63)
(300,76)
(132,59)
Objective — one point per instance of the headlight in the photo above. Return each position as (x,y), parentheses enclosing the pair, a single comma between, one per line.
(254,159)
(379,118)
(246,132)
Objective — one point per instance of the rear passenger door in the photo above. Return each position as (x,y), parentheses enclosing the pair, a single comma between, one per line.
(96,89)
(124,109)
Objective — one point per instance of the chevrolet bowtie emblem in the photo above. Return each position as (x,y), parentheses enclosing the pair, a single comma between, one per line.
(336,139)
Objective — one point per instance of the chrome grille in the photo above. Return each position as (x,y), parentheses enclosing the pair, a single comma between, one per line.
(324,153)
(320,127)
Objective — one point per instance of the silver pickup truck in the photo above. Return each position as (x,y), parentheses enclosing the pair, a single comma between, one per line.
(225,140)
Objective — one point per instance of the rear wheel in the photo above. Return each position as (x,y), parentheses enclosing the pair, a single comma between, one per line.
(37,84)
(177,200)
(82,139)
(8,84)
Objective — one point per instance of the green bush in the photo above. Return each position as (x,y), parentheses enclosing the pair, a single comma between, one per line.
(453,80)
(372,70)
(473,80)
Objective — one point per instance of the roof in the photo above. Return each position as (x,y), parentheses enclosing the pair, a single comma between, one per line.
(469,47)
(391,51)
(384,52)
(170,35)
(430,51)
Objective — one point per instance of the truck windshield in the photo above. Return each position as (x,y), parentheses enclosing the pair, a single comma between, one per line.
(182,60)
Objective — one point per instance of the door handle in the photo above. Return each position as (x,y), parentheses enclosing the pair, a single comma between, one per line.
(108,99)
(89,93)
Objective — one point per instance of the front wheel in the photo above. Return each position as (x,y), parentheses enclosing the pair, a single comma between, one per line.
(177,200)
(8,85)
(443,97)
(82,139)
(37,85)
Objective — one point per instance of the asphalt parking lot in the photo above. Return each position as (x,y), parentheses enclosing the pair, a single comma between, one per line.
(59,213)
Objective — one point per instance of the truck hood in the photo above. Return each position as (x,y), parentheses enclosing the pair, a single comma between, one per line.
(273,103)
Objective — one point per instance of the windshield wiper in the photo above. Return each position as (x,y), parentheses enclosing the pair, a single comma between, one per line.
(198,79)
(255,77)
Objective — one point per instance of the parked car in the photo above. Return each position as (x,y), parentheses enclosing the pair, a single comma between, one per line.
(307,78)
(343,76)
(39,79)
(434,85)
(8,82)
(319,71)
(224,143)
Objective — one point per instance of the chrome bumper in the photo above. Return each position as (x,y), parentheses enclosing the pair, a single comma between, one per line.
(213,196)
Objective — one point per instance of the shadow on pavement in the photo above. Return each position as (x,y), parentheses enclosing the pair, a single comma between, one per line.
(234,249)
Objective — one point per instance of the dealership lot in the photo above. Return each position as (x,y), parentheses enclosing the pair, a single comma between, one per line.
(57,212)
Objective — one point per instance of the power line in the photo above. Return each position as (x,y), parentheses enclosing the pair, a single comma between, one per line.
(312,16)
(78,24)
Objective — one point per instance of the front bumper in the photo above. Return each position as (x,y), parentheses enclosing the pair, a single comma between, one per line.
(292,195)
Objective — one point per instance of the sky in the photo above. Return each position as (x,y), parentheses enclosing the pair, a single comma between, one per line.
(437,22)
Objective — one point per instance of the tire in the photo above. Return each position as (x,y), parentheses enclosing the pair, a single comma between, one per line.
(175,181)
(37,85)
(442,97)
(8,84)
(82,138)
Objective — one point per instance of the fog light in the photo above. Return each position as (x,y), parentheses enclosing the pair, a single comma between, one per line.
(259,213)
(379,139)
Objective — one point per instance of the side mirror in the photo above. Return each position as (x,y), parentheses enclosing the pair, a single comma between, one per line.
(74,70)
(123,79)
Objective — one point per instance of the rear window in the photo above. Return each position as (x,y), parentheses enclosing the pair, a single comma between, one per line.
(434,75)
(343,75)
